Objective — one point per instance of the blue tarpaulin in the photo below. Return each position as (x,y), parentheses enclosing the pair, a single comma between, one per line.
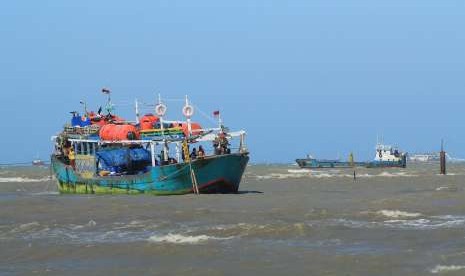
(118,160)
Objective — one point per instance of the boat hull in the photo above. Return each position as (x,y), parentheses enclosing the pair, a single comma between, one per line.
(387,164)
(326,164)
(215,174)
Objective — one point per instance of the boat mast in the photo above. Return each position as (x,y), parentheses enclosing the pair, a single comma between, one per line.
(109,106)
(137,111)
(220,122)
(160,109)
(85,106)
(188,111)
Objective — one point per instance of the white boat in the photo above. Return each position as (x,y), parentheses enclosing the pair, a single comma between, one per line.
(388,156)
(425,157)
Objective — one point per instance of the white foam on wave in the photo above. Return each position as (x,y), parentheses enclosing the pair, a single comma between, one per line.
(22,179)
(306,173)
(404,221)
(279,176)
(299,171)
(397,174)
(446,268)
(447,189)
(45,193)
(181,239)
(29,225)
(398,214)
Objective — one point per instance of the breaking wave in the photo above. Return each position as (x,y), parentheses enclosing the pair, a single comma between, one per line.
(181,239)
(93,232)
(305,173)
(404,223)
(443,269)
(22,179)
(398,214)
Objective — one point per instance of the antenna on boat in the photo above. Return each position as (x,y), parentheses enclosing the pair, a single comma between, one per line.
(109,106)
(217,114)
(85,106)
(137,111)
(188,111)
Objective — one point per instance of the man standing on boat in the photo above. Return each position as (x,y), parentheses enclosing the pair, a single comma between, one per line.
(72,157)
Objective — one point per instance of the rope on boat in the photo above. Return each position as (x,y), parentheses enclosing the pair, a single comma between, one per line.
(195,186)
(185,148)
(165,177)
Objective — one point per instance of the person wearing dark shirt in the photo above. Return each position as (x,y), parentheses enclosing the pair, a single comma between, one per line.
(194,154)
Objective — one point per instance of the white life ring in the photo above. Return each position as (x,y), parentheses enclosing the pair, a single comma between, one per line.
(188,111)
(160,109)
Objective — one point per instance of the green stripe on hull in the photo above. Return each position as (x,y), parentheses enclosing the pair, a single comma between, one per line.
(216,174)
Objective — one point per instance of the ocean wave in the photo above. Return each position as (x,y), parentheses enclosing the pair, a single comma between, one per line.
(117,232)
(181,239)
(22,179)
(331,173)
(444,269)
(406,223)
(398,214)
(446,189)
(397,174)
(26,226)
(45,193)
(259,230)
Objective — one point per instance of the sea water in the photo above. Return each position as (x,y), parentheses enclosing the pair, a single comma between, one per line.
(284,221)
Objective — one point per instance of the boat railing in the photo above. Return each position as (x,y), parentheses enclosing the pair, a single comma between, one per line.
(90,146)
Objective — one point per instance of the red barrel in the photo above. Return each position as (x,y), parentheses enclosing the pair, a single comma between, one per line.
(147,121)
(112,132)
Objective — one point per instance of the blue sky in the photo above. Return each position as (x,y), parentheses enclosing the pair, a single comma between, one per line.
(300,76)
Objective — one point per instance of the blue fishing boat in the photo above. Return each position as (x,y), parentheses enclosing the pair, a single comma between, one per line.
(313,163)
(104,154)
(386,157)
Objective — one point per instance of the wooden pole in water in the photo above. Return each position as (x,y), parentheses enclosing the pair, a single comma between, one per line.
(443,159)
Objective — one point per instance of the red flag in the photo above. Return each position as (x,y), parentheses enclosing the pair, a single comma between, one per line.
(105,91)
(216,113)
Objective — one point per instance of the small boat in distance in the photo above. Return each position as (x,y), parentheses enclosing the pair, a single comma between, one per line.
(313,163)
(388,157)
(38,162)
(425,157)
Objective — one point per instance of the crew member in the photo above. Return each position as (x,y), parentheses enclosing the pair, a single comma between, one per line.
(194,154)
(201,153)
(72,157)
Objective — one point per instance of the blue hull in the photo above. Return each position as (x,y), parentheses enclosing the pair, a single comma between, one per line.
(326,164)
(215,174)
(386,164)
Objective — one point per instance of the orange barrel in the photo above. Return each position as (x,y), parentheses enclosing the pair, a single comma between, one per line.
(112,132)
(147,121)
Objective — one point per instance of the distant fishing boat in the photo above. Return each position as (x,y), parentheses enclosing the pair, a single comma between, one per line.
(105,154)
